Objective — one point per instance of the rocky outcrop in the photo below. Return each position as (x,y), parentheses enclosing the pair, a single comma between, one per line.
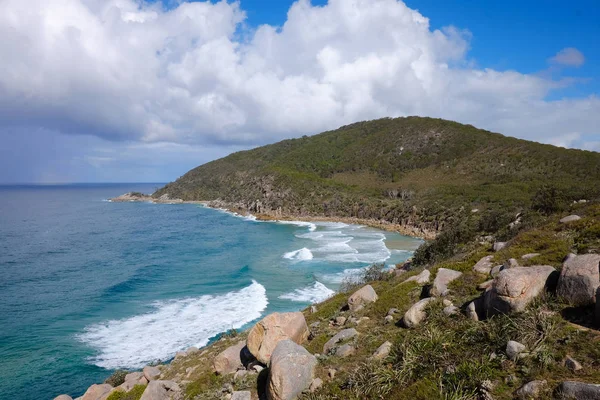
(416,314)
(442,279)
(97,392)
(484,266)
(291,372)
(151,373)
(570,218)
(229,360)
(266,334)
(340,337)
(133,379)
(513,289)
(578,390)
(421,279)
(579,279)
(162,390)
(362,297)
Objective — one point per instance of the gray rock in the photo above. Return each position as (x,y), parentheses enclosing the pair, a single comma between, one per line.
(514,349)
(383,351)
(511,263)
(529,257)
(484,266)
(341,336)
(496,270)
(573,364)
(315,385)
(499,246)
(579,279)
(241,395)
(97,392)
(597,313)
(361,297)
(161,390)
(345,350)
(291,372)
(313,309)
(416,314)
(392,311)
(63,397)
(421,279)
(275,327)
(531,390)
(442,279)
(570,218)
(133,379)
(240,374)
(151,373)
(447,303)
(485,285)
(229,360)
(339,321)
(450,310)
(513,289)
(578,391)
(389,319)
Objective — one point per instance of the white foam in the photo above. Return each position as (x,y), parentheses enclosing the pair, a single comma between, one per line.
(351,274)
(311,227)
(173,326)
(303,254)
(315,293)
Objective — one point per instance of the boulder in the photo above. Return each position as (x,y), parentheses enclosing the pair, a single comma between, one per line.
(570,218)
(315,385)
(341,336)
(229,360)
(161,390)
(264,336)
(63,397)
(510,263)
(339,321)
(475,309)
(383,351)
(132,379)
(442,279)
(514,349)
(421,279)
(345,350)
(416,314)
(291,372)
(241,395)
(579,279)
(362,297)
(529,256)
(496,270)
(513,289)
(151,373)
(498,246)
(484,266)
(578,391)
(531,390)
(597,313)
(97,392)
(572,364)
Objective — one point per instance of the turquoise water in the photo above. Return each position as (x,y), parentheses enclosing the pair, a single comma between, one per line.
(87,286)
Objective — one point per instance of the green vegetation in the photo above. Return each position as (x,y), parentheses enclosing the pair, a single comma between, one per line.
(117,378)
(133,394)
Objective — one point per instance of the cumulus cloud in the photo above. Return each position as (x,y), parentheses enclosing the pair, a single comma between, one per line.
(126,70)
(570,57)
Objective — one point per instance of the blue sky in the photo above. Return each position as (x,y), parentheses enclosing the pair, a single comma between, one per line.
(127,90)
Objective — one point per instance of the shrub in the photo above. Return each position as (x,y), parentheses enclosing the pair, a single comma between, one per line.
(549,200)
(117,378)
(133,394)
(445,245)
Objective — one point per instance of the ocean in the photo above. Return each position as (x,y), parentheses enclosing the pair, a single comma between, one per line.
(88,286)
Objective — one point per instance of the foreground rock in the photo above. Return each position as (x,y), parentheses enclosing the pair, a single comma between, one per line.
(266,334)
(579,279)
(416,314)
(133,379)
(513,289)
(291,372)
(484,266)
(162,390)
(362,297)
(340,337)
(531,390)
(229,360)
(570,218)
(442,279)
(383,351)
(97,392)
(151,373)
(579,391)
(242,395)
(514,350)
(421,279)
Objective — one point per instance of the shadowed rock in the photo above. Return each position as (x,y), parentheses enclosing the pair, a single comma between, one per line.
(229,360)
(578,390)
(151,373)
(579,279)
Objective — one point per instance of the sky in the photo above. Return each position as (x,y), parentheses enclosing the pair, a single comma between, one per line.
(143,91)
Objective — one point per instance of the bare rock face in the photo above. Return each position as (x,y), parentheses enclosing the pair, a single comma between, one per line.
(442,279)
(383,351)
(579,279)
(291,372)
(361,297)
(578,390)
(97,392)
(229,360)
(513,289)
(570,218)
(162,390)
(531,390)
(132,379)
(151,373)
(340,337)
(421,279)
(264,336)
(416,314)
(484,266)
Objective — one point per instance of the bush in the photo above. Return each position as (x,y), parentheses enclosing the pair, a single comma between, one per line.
(133,394)
(117,378)
(549,200)
(445,245)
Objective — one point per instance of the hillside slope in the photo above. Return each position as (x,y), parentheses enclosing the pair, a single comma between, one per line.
(412,171)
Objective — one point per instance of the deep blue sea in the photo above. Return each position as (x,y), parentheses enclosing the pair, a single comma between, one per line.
(88,286)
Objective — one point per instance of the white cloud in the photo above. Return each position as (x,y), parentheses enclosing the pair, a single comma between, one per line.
(569,56)
(130,71)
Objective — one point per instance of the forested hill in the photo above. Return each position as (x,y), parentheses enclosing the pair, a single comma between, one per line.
(416,171)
